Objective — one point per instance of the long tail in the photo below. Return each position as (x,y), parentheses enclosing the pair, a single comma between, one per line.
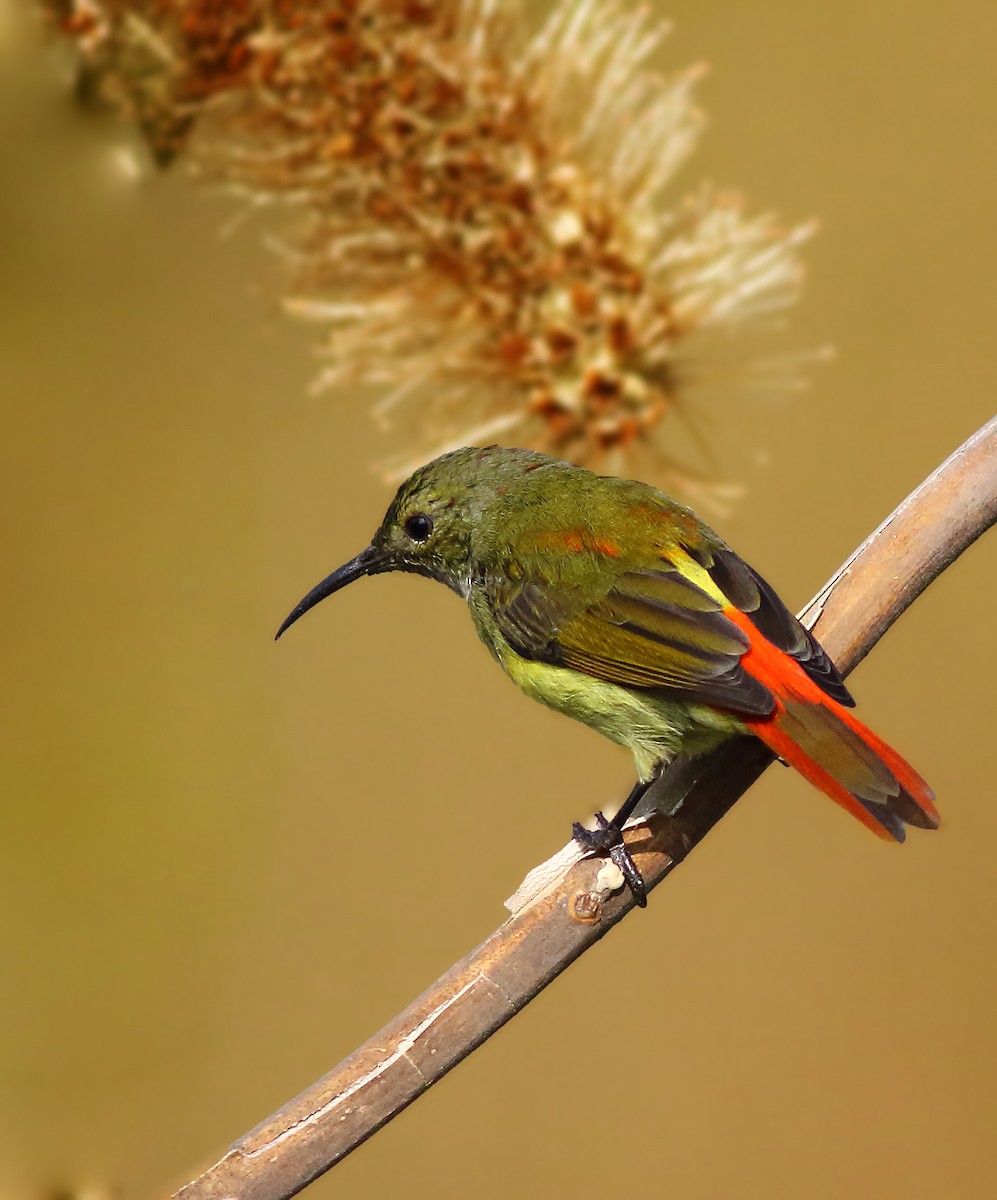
(843,758)
(835,751)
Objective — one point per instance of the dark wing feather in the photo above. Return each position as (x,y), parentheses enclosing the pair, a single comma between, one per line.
(750,593)
(529,616)
(652,630)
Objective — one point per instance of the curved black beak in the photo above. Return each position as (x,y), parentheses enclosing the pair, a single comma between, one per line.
(367,562)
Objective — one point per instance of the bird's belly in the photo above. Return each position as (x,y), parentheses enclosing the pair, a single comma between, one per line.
(652,727)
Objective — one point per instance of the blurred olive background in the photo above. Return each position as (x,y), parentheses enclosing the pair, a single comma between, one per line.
(224,863)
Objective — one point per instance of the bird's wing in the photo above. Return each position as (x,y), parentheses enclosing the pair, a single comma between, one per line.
(747,591)
(657,629)
(650,629)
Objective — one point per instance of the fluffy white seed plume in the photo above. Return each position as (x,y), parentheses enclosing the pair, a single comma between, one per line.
(480,220)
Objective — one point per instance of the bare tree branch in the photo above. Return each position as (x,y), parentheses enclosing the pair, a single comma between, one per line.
(491,984)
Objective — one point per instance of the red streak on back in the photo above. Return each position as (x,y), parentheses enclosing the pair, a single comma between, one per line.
(577,541)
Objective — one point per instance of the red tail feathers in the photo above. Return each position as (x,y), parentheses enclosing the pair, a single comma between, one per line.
(833,750)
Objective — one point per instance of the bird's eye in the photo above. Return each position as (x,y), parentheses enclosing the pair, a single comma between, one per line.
(419,527)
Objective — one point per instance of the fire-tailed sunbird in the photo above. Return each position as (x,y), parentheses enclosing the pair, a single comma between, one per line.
(609,601)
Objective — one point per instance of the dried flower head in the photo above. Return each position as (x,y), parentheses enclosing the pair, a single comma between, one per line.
(482,228)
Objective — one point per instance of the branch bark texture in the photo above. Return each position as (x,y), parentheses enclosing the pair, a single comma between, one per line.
(311,1133)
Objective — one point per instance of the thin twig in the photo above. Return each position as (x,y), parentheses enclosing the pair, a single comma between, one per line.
(491,984)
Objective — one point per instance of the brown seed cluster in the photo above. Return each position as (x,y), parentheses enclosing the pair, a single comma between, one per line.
(478,212)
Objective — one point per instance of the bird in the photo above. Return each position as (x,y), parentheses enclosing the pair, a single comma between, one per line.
(608,601)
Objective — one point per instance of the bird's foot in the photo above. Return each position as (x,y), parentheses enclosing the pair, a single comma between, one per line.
(607,841)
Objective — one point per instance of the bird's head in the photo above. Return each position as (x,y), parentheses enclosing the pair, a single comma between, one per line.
(430,527)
